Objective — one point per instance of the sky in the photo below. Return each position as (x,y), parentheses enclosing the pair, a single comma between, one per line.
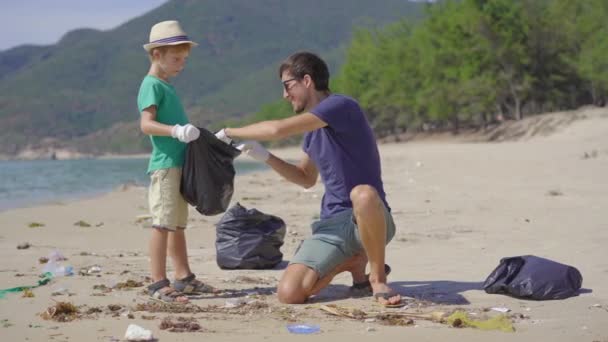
(44,22)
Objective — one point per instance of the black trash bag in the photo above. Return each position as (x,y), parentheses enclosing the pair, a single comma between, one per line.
(208,174)
(249,239)
(532,277)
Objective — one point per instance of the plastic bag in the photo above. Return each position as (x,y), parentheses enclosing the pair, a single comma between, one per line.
(208,174)
(532,277)
(249,239)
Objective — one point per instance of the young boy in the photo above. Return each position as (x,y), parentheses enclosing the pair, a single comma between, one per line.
(164,120)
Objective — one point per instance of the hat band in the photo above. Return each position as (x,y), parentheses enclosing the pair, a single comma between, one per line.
(171,40)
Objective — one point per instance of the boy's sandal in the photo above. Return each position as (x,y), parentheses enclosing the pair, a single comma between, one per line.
(162,291)
(364,288)
(191,285)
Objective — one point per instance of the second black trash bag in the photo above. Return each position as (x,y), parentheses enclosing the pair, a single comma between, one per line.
(532,277)
(249,239)
(208,174)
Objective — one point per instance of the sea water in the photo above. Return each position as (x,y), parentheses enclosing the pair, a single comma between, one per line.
(28,183)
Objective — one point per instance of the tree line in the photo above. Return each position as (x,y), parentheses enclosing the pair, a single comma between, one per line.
(470,63)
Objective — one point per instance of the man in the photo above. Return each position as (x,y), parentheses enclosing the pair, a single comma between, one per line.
(355,223)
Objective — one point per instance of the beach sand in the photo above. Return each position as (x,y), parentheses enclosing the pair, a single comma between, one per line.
(459,208)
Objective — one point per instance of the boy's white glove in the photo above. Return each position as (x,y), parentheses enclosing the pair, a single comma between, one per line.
(186,133)
(221,134)
(255,150)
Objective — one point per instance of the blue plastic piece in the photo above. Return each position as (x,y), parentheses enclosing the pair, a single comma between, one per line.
(303,328)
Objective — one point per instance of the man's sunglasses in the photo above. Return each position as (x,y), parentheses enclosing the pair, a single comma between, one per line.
(286,83)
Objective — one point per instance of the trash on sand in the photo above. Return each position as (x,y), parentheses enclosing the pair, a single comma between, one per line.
(57,270)
(94,269)
(61,312)
(136,333)
(501,309)
(24,245)
(182,324)
(235,302)
(303,328)
(45,279)
(460,319)
(59,289)
(343,312)
(56,256)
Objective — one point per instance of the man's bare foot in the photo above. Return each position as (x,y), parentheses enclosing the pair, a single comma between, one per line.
(385,296)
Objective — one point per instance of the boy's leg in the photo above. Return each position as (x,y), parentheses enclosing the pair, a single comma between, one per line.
(179,253)
(158,254)
(368,210)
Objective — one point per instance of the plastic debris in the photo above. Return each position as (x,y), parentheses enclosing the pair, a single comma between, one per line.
(501,309)
(24,245)
(460,319)
(303,328)
(46,278)
(136,333)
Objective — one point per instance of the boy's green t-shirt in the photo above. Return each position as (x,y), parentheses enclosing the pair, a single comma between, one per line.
(167,152)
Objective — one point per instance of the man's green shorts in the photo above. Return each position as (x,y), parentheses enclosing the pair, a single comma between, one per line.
(333,241)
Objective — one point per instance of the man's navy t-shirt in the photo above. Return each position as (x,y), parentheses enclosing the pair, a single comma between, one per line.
(344,151)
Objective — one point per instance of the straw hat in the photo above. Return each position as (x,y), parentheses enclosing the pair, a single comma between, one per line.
(167,33)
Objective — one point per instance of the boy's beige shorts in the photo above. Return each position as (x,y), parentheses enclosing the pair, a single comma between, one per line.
(167,205)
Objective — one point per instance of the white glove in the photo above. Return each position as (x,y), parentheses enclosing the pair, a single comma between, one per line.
(185,133)
(221,134)
(255,150)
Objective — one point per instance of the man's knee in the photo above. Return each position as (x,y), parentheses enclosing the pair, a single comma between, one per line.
(296,284)
(364,195)
(288,292)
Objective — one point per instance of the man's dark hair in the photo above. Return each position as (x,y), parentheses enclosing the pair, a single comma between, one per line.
(307,63)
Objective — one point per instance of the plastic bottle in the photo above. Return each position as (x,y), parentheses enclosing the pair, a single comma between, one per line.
(57,270)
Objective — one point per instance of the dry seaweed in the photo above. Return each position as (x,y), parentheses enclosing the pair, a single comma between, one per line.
(61,312)
(181,324)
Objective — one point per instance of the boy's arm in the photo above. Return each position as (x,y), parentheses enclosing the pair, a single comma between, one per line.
(150,126)
(277,129)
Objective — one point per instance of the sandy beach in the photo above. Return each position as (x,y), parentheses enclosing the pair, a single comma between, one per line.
(459,208)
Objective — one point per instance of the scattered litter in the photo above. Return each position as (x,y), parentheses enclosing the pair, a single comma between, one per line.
(82,223)
(59,289)
(370,320)
(554,193)
(57,270)
(35,224)
(501,309)
(181,324)
(303,328)
(24,245)
(56,256)
(235,302)
(61,312)
(94,269)
(45,279)
(395,319)
(128,284)
(343,312)
(137,333)
(460,319)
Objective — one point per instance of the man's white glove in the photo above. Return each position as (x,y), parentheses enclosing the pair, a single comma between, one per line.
(255,150)
(221,134)
(185,133)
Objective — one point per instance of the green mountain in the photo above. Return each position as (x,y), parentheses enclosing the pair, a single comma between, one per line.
(81,91)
